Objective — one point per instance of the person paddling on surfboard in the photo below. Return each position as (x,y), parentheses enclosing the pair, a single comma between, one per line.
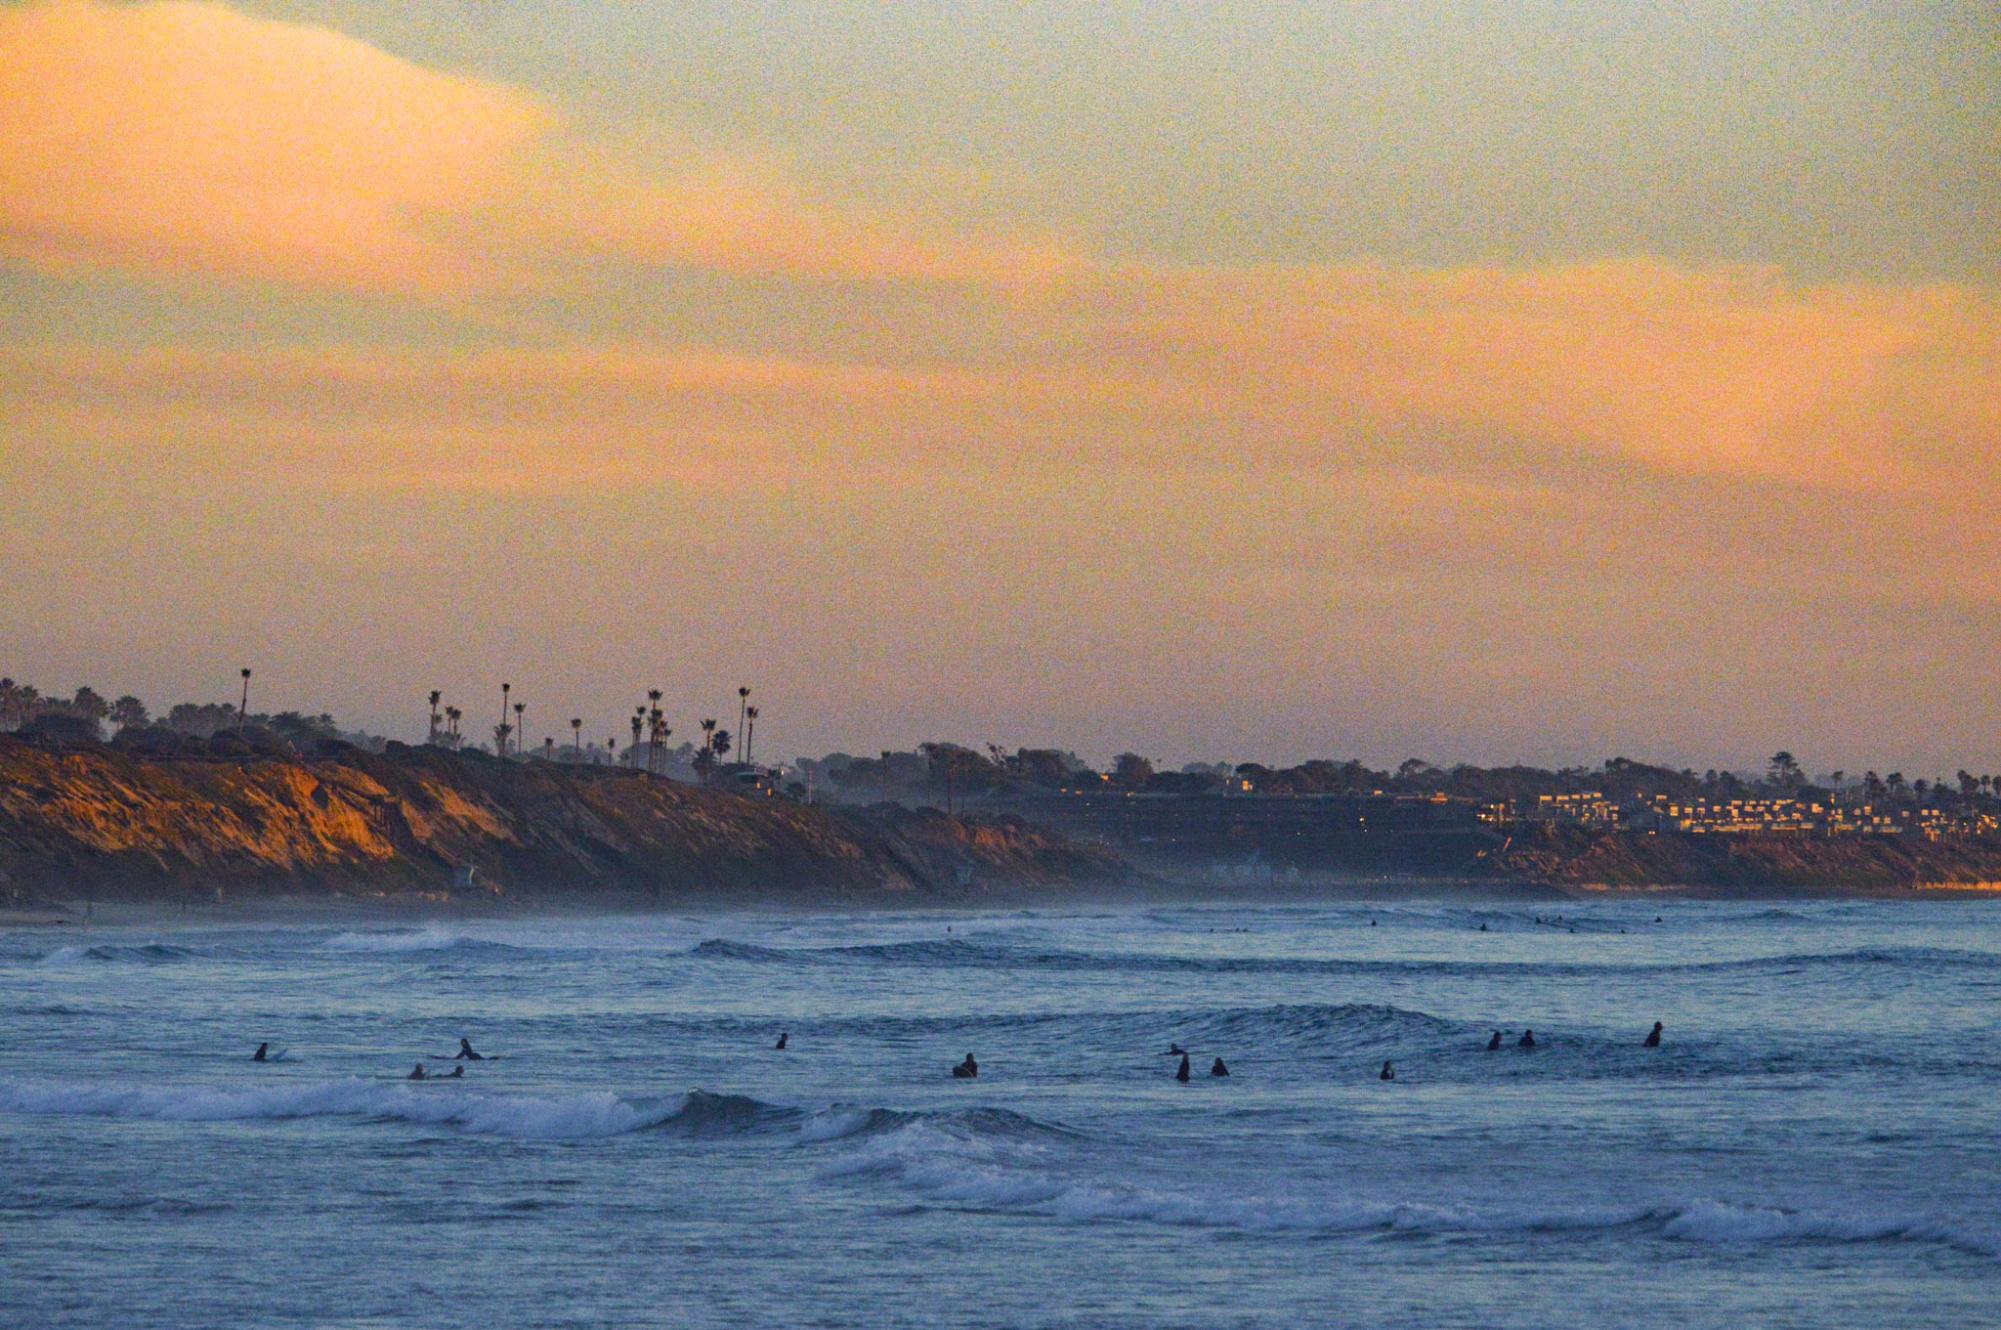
(262,1053)
(465,1053)
(417,1073)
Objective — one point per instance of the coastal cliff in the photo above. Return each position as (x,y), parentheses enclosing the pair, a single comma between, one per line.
(1578,857)
(91,821)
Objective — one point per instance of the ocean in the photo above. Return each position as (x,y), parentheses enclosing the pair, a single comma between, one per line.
(1817,1141)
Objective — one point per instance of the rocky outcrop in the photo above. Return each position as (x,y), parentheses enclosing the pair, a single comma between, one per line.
(92,820)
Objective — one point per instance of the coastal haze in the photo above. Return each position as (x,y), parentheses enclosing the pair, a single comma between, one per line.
(1484,383)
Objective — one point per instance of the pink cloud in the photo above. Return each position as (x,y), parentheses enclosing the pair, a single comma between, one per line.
(184,138)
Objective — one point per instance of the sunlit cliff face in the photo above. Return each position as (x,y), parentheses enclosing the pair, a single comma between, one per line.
(1220,382)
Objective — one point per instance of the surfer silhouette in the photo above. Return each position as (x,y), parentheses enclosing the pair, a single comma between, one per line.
(1494,1044)
(417,1073)
(465,1053)
(1653,1039)
(967,1070)
(1527,1040)
(261,1055)
(1181,1072)
(783,1038)
(1217,1068)
(457,1072)
(1389,1073)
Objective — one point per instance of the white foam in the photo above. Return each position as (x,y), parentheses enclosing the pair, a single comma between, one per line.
(524,1117)
(832,1124)
(432,937)
(946,1166)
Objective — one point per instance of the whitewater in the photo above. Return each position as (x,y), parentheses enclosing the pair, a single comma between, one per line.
(1816,1143)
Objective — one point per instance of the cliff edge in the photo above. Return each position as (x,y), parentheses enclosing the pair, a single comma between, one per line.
(94,821)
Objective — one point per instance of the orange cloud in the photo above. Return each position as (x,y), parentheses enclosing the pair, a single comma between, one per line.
(184,138)
(1693,372)
(738,216)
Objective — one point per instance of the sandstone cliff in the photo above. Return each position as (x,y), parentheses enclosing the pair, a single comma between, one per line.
(95,821)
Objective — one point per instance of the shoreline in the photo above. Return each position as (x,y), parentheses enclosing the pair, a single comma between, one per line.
(281,909)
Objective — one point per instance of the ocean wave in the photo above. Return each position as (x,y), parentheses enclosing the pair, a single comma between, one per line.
(433,937)
(954,953)
(924,1156)
(454,1105)
(150,953)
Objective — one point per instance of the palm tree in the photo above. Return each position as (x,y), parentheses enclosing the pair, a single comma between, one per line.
(10,694)
(504,688)
(705,756)
(749,732)
(243,711)
(656,734)
(453,714)
(577,736)
(520,727)
(500,733)
(742,701)
(638,723)
(435,695)
(653,746)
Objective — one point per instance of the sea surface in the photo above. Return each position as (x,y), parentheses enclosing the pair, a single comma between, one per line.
(1816,1143)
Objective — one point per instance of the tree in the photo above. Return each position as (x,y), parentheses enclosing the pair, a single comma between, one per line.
(243,707)
(1784,771)
(435,697)
(10,698)
(719,743)
(750,731)
(89,704)
(128,712)
(505,688)
(1130,771)
(638,724)
(500,733)
(742,702)
(520,726)
(653,716)
(577,735)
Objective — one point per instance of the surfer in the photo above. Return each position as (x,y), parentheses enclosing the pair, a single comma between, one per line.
(1176,1051)
(1654,1039)
(782,1038)
(1494,1044)
(262,1053)
(417,1073)
(465,1053)
(457,1072)
(1217,1068)
(967,1070)
(1389,1073)
(1181,1072)
(1527,1040)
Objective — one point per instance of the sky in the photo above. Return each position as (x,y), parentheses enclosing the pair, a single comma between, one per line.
(1473,382)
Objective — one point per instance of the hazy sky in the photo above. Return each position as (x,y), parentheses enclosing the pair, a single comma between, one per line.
(1474,382)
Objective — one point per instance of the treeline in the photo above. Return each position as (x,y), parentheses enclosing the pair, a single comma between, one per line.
(85,716)
(940,769)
